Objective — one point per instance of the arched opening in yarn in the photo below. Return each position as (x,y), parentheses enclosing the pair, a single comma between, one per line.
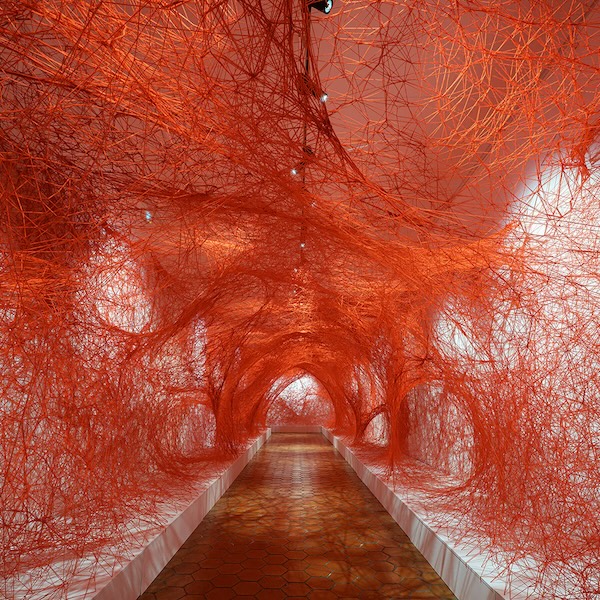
(299,400)
(190,231)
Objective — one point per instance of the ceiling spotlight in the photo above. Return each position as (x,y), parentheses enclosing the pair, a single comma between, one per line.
(148,216)
(294,171)
(302,244)
(323,97)
(323,6)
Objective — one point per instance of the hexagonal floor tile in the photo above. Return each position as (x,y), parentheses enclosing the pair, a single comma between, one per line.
(297,523)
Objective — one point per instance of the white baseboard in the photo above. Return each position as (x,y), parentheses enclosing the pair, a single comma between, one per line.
(296,428)
(135,577)
(454,567)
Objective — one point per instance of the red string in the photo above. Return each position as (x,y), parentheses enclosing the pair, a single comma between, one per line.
(189,231)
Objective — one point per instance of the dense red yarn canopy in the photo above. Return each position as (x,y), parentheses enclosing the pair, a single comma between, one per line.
(190,232)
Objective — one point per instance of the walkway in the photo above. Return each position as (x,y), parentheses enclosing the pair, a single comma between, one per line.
(297,523)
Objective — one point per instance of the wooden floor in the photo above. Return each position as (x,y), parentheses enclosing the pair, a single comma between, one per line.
(297,523)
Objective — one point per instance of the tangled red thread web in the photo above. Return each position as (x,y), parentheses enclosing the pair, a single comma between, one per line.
(196,242)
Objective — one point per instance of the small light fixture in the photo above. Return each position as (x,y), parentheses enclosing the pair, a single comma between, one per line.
(323,6)
(148,216)
(323,97)
(294,171)
(302,245)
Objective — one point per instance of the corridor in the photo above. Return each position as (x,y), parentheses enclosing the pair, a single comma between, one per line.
(297,523)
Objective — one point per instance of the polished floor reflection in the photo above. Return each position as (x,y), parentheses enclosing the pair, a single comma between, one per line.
(297,523)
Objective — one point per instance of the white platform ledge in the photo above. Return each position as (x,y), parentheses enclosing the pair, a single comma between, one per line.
(296,429)
(135,577)
(465,582)
(452,566)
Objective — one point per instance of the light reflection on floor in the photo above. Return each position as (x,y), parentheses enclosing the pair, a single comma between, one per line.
(297,523)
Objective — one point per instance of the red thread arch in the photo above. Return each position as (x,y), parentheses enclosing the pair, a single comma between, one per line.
(202,202)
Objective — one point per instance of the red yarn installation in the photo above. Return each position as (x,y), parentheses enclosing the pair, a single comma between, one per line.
(187,228)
